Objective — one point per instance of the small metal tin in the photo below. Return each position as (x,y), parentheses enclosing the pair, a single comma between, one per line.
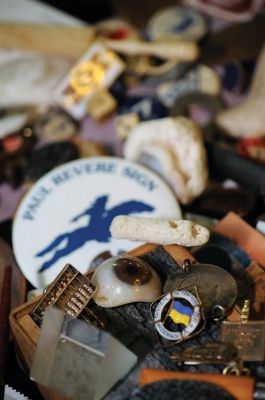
(97,69)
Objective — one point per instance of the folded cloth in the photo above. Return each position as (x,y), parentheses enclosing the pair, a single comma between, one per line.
(29,78)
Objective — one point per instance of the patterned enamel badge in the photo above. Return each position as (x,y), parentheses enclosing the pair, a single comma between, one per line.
(177,315)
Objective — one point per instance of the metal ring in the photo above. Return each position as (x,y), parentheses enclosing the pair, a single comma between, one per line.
(186,264)
(232,370)
(218,312)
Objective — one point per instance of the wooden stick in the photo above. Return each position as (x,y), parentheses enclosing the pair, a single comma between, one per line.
(178,50)
(73,41)
(57,40)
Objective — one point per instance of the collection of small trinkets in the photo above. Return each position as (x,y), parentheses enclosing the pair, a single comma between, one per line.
(194,295)
(157,99)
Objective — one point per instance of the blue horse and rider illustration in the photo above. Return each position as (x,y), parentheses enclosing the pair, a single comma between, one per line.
(97,228)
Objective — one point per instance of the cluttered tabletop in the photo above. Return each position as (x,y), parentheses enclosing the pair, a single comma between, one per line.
(132,200)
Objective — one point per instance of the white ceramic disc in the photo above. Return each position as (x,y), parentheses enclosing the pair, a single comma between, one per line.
(66,215)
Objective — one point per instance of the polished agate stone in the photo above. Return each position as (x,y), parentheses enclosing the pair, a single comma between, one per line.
(125,279)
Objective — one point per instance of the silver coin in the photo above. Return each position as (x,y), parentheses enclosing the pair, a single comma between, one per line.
(215,286)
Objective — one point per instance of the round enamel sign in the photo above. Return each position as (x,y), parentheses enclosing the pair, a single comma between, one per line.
(66,215)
